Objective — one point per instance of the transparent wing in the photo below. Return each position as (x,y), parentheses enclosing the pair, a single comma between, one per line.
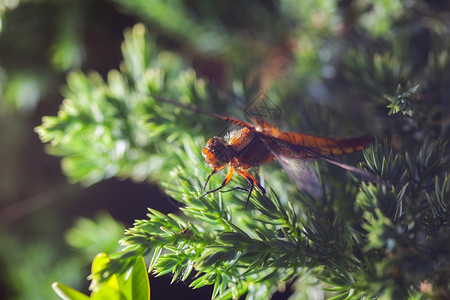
(296,165)
(302,174)
(295,160)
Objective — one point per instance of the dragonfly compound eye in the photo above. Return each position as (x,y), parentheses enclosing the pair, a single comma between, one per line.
(215,153)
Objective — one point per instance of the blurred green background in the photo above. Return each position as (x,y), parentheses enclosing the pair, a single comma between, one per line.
(42,238)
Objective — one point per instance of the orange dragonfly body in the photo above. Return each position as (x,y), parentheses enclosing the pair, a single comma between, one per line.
(259,143)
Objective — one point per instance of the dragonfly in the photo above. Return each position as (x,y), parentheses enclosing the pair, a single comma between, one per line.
(260,142)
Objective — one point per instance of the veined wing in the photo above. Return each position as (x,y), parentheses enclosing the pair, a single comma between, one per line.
(294,155)
(301,173)
(295,164)
(199,110)
(318,145)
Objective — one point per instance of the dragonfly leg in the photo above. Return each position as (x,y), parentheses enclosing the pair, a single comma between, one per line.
(237,188)
(252,185)
(249,177)
(252,180)
(240,188)
(224,182)
(214,171)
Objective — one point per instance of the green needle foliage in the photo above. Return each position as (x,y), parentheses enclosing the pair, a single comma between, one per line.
(360,240)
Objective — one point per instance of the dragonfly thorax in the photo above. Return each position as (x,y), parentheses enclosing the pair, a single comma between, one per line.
(216,153)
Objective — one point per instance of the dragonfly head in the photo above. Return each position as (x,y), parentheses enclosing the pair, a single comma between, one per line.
(216,153)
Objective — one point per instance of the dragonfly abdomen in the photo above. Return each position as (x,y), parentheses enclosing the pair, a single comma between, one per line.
(326,146)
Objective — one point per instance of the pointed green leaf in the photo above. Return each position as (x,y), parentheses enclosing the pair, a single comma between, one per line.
(67,293)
